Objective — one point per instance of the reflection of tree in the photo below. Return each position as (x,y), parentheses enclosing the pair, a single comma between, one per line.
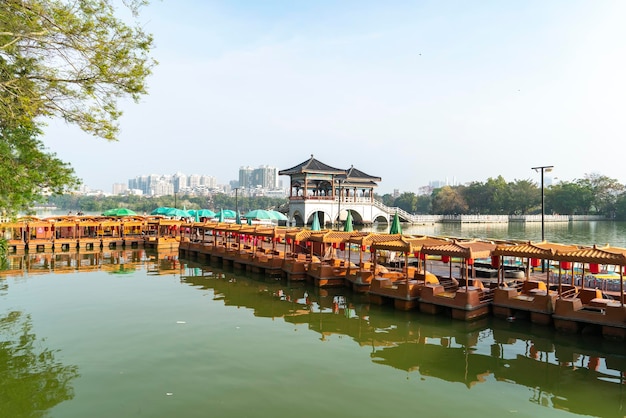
(31,380)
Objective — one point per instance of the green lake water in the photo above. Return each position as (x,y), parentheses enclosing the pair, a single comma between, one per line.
(142,334)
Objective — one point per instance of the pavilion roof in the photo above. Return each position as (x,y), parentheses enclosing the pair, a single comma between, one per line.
(603,255)
(463,249)
(311,166)
(541,250)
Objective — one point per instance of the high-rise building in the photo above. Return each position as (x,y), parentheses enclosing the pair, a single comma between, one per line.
(245,177)
(265,177)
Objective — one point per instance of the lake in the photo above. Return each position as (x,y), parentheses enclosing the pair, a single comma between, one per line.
(140,333)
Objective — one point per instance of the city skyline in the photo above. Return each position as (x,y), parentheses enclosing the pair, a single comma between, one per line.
(407,91)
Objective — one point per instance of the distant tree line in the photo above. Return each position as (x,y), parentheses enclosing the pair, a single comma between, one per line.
(143,204)
(593,195)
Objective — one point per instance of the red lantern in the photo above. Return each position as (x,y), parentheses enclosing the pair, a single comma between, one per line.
(342,246)
(308,243)
(334,245)
(445,258)
(470,261)
(535,262)
(594,268)
(289,241)
(566,265)
(372,249)
(422,256)
(495,261)
(362,247)
(416,254)
(297,242)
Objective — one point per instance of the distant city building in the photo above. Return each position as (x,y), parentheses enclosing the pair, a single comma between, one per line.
(180,182)
(245,177)
(263,180)
(265,177)
(119,188)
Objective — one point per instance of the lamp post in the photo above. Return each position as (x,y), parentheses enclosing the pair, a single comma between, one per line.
(544,169)
(339,206)
(236,200)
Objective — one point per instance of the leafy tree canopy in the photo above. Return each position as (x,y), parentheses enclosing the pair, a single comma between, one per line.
(68,59)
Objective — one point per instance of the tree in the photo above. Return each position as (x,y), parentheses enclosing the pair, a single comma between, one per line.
(407,201)
(28,170)
(72,60)
(605,191)
(67,59)
(448,201)
(524,194)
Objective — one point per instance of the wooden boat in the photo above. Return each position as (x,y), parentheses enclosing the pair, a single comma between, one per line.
(15,234)
(471,300)
(588,307)
(401,287)
(162,233)
(531,298)
(296,261)
(38,234)
(330,270)
(359,277)
(133,231)
(65,236)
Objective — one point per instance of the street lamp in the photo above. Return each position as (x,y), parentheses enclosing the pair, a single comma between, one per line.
(544,169)
(236,200)
(339,206)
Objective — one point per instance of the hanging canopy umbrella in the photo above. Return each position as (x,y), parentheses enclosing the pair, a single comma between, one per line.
(238,219)
(259,214)
(395,225)
(227,214)
(348,227)
(160,210)
(202,213)
(278,215)
(177,213)
(315,225)
(119,212)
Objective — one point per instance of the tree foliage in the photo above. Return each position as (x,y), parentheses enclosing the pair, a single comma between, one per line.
(70,59)
(593,195)
(66,59)
(28,170)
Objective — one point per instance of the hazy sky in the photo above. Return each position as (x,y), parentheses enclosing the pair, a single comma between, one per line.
(407,91)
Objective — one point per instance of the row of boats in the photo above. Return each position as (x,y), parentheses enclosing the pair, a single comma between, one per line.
(580,288)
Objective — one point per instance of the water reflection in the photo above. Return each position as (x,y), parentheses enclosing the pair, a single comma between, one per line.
(579,374)
(575,373)
(112,261)
(32,381)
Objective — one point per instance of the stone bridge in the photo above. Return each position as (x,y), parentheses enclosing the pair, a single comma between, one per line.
(365,211)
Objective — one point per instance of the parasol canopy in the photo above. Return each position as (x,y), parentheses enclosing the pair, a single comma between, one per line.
(395,225)
(177,213)
(202,213)
(160,210)
(119,212)
(226,214)
(348,227)
(315,225)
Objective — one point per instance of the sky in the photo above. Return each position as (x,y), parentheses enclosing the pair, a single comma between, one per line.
(409,91)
